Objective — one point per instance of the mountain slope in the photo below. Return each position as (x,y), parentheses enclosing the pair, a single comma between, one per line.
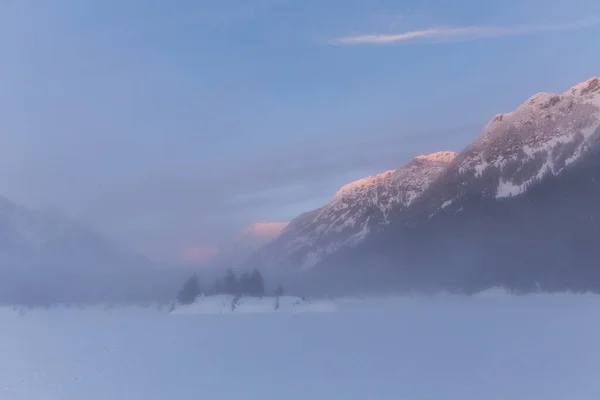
(248,241)
(46,258)
(519,207)
(258,234)
(354,212)
(542,137)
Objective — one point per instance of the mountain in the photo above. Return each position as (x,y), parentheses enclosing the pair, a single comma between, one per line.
(258,234)
(29,235)
(544,136)
(234,253)
(356,210)
(519,207)
(248,241)
(47,258)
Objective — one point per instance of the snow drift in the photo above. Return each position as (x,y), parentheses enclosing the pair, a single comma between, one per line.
(228,304)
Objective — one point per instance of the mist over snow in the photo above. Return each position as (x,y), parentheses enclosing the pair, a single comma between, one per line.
(490,347)
(300,200)
(516,208)
(225,304)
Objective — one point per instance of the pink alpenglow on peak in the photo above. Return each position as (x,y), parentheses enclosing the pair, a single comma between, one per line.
(362,184)
(393,177)
(249,240)
(265,230)
(588,87)
(441,156)
(357,208)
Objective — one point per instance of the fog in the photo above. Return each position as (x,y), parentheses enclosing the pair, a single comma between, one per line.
(310,199)
(490,346)
(135,135)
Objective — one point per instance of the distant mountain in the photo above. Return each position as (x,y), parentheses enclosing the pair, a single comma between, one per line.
(519,207)
(357,209)
(47,258)
(258,234)
(236,253)
(29,235)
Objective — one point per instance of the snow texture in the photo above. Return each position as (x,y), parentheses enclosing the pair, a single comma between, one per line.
(356,209)
(488,347)
(543,136)
(446,204)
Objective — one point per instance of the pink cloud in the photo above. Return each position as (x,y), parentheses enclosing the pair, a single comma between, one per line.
(200,253)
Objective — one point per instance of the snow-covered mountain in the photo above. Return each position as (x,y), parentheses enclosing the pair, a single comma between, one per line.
(258,234)
(29,235)
(357,209)
(248,241)
(518,207)
(235,253)
(543,137)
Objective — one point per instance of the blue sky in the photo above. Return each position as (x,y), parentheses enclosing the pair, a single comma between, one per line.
(174,124)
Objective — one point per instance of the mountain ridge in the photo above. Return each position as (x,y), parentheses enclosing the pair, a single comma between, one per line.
(465,233)
(542,136)
(476,203)
(354,211)
(47,258)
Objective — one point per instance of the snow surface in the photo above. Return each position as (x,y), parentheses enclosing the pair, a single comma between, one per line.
(488,347)
(224,304)
(507,189)
(446,204)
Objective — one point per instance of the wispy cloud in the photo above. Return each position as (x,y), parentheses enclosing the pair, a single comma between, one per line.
(466,33)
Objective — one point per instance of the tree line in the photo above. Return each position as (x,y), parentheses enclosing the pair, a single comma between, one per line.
(246,284)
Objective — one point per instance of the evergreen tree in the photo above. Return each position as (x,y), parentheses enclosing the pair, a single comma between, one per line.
(230,283)
(190,290)
(279,291)
(257,284)
(217,286)
(245,284)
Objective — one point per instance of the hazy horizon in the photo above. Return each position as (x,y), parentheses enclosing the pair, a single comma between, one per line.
(170,127)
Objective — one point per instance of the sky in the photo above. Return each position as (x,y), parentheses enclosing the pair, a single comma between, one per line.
(169,126)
